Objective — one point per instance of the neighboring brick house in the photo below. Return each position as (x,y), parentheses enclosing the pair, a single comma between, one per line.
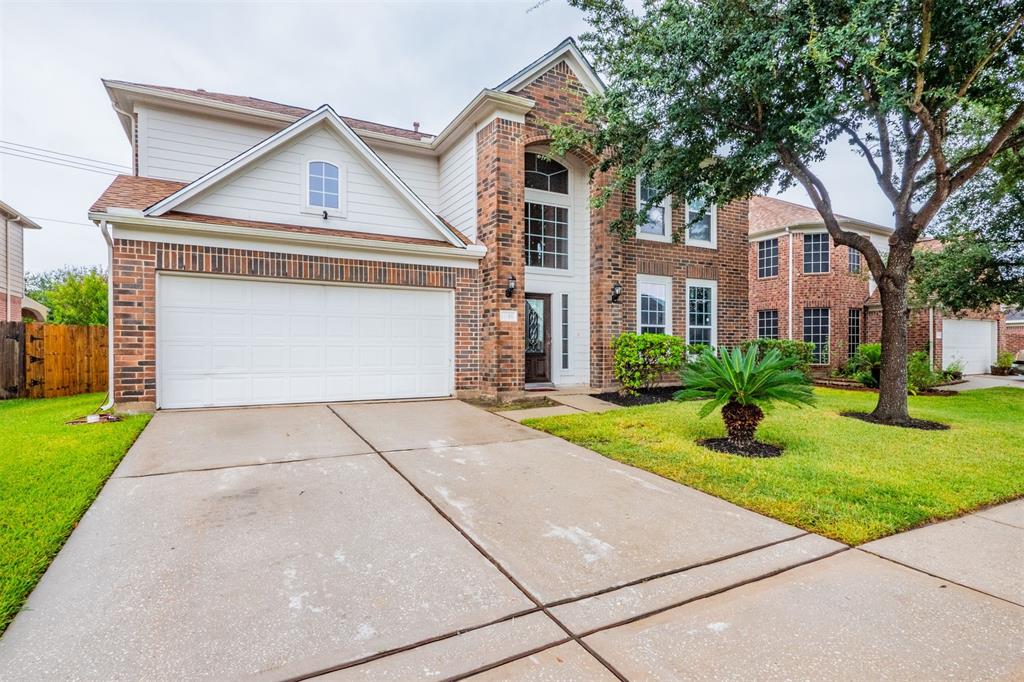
(1014,331)
(263,253)
(12,265)
(825,294)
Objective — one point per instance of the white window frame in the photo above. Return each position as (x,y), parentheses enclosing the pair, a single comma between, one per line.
(655,280)
(700,243)
(342,210)
(713,285)
(540,196)
(666,204)
(763,243)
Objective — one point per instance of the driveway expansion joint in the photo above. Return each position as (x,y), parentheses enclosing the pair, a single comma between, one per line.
(311,458)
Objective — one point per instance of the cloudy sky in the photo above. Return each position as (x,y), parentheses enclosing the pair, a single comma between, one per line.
(392,62)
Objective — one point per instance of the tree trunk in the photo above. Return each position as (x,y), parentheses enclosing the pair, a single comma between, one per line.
(892,385)
(741,422)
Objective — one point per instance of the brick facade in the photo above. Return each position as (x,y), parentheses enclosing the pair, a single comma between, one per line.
(15,308)
(1014,337)
(920,329)
(136,264)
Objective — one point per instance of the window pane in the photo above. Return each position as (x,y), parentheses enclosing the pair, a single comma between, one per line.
(655,221)
(653,308)
(330,185)
(316,198)
(816,331)
(768,258)
(853,332)
(544,174)
(547,236)
(816,253)
(565,331)
(330,201)
(330,171)
(316,168)
(767,324)
(316,183)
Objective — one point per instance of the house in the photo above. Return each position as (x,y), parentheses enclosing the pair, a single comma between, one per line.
(264,253)
(12,264)
(825,294)
(1014,331)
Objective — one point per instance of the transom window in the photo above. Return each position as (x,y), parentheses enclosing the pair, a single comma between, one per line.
(768,258)
(659,216)
(815,253)
(324,189)
(700,314)
(547,236)
(816,331)
(853,333)
(700,223)
(767,324)
(654,313)
(545,174)
(854,260)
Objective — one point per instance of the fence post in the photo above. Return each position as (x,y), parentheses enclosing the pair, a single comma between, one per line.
(12,360)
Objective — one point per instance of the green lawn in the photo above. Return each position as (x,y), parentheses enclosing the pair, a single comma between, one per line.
(49,475)
(840,477)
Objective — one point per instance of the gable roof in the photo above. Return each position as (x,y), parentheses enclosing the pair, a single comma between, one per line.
(327,116)
(135,192)
(16,218)
(284,110)
(767,214)
(567,51)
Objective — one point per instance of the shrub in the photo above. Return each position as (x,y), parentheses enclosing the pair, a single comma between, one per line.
(742,384)
(954,370)
(920,375)
(641,359)
(801,352)
(1004,359)
(866,364)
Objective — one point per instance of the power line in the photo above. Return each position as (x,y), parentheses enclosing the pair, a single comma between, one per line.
(58,220)
(59,163)
(72,156)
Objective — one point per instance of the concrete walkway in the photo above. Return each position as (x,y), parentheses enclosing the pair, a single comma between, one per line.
(434,540)
(976,381)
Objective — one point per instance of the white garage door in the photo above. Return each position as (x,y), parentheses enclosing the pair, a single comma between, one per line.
(971,342)
(244,342)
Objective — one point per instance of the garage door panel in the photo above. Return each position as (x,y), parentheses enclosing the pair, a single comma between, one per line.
(238,342)
(969,342)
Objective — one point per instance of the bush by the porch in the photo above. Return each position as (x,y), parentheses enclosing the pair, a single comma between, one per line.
(642,359)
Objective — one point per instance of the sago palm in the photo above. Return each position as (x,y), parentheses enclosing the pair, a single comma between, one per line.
(742,385)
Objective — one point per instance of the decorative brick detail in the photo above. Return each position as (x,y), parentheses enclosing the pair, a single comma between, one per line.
(136,264)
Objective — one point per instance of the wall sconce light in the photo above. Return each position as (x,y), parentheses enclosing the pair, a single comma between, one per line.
(511,288)
(616,292)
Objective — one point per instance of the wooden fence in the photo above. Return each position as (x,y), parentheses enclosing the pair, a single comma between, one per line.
(51,360)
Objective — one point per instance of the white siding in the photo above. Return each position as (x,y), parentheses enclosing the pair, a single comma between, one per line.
(16,255)
(418,171)
(273,190)
(182,146)
(458,186)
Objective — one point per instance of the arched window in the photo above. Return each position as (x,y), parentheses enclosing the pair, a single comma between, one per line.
(546,175)
(324,190)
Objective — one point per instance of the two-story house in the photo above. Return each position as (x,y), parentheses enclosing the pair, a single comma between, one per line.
(802,286)
(265,253)
(14,305)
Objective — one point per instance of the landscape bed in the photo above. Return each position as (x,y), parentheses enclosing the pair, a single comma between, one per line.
(843,478)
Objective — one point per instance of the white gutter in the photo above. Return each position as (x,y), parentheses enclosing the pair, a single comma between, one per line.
(110,316)
(789,285)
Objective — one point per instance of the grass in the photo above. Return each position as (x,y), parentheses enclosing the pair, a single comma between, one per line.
(49,475)
(843,478)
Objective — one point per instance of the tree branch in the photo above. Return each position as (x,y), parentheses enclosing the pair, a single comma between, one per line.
(922,52)
(980,66)
(883,178)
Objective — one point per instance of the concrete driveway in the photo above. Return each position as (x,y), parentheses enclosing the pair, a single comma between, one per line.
(434,540)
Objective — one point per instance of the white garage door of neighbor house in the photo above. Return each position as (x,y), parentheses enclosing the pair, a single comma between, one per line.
(972,342)
(244,342)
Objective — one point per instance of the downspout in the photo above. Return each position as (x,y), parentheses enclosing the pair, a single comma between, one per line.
(7,269)
(110,316)
(931,337)
(789,285)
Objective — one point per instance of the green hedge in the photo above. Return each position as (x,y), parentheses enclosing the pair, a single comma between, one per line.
(642,359)
(802,351)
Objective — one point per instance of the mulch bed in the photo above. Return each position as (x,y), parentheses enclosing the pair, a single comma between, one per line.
(661,394)
(923,424)
(755,449)
(860,387)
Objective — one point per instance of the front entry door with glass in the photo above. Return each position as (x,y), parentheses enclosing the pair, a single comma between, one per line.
(538,338)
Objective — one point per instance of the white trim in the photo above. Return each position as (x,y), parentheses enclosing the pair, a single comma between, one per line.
(666,204)
(713,285)
(324,115)
(566,50)
(848,224)
(342,210)
(656,280)
(700,243)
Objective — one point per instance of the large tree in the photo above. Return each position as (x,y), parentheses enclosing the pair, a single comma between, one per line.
(720,99)
(74,295)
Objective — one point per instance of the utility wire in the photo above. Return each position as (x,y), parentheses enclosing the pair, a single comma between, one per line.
(93,169)
(59,220)
(59,154)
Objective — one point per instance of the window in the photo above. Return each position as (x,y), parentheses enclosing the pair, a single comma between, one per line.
(854,260)
(701,220)
(853,332)
(767,324)
(816,332)
(565,331)
(815,253)
(654,304)
(545,174)
(701,312)
(547,236)
(768,258)
(324,186)
(659,217)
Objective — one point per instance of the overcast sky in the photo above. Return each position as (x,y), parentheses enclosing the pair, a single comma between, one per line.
(388,62)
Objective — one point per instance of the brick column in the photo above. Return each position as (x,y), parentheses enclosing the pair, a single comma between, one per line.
(134,281)
(607,266)
(500,197)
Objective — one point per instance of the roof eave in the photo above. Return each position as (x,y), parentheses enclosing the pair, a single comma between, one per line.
(578,62)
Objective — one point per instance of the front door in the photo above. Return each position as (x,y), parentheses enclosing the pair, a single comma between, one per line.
(538,338)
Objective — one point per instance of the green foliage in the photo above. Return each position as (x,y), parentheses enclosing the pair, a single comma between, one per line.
(920,375)
(954,370)
(641,359)
(742,377)
(866,364)
(73,295)
(1004,359)
(801,352)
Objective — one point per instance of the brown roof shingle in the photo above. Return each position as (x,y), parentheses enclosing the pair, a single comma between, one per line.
(277,108)
(132,191)
(769,213)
